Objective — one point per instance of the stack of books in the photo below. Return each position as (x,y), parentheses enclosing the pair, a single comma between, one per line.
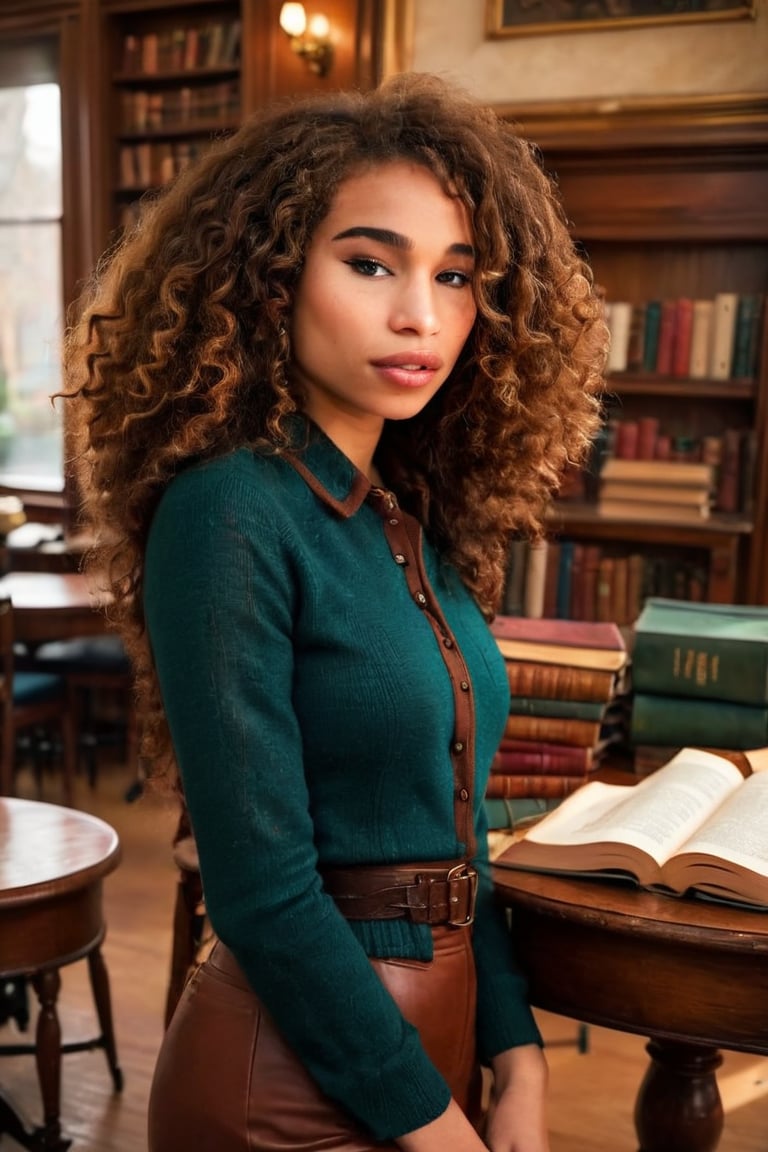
(671,490)
(699,677)
(567,704)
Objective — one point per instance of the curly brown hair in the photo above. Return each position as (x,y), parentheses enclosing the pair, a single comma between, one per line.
(181,350)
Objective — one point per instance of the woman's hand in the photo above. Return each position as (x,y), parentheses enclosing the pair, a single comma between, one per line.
(452,1130)
(517,1113)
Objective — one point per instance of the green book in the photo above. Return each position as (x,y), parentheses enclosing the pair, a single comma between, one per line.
(709,651)
(507,814)
(580,709)
(678,720)
(651,335)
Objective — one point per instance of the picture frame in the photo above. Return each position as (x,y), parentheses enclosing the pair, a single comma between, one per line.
(536,17)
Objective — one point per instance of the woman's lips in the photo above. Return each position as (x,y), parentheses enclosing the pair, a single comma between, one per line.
(409,369)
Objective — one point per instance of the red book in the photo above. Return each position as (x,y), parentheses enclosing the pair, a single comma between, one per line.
(681,352)
(528,763)
(502,787)
(727,497)
(667,335)
(627,434)
(582,758)
(600,649)
(647,431)
(572,633)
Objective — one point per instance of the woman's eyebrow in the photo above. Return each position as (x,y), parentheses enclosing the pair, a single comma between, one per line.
(396,239)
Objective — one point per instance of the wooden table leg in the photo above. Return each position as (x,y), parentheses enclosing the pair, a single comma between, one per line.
(32,1139)
(48,1058)
(678,1105)
(100,985)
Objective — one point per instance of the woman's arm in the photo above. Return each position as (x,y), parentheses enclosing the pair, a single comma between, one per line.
(451,1131)
(517,1113)
(222,593)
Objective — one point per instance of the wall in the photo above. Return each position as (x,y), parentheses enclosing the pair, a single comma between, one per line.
(675,59)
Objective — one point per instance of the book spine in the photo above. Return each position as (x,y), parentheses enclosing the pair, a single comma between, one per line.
(709,667)
(535,576)
(647,435)
(559,681)
(746,338)
(574,633)
(689,722)
(564,579)
(536,764)
(701,339)
(636,348)
(729,472)
(584,733)
(509,813)
(550,580)
(651,341)
(619,316)
(681,351)
(581,758)
(536,706)
(514,586)
(723,334)
(667,336)
(575,604)
(544,787)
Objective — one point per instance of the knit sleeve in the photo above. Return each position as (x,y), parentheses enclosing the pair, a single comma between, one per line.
(220,595)
(504,1016)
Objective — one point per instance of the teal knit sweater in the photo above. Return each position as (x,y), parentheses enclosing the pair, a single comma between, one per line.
(312,717)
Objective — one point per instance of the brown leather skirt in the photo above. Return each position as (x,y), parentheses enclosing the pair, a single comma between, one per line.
(225,1081)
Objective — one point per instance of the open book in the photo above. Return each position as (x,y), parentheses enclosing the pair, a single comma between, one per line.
(697,824)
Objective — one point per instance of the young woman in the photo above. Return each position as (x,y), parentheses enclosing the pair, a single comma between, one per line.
(335,366)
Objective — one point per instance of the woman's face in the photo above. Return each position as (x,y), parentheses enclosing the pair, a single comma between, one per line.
(385,300)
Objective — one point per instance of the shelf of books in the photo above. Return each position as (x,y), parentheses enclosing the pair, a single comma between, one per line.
(670,204)
(175,86)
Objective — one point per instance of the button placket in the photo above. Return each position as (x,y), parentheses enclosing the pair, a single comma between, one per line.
(404,536)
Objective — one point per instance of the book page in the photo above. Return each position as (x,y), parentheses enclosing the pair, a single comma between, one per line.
(738,830)
(656,816)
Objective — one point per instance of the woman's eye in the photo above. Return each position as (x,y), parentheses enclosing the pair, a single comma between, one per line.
(454,279)
(367,266)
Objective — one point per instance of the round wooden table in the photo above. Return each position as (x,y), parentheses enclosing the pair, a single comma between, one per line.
(52,606)
(691,976)
(52,864)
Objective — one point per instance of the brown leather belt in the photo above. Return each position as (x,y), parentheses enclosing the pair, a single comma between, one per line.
(430,893)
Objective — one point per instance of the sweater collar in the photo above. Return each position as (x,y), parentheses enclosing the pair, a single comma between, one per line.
(330,474)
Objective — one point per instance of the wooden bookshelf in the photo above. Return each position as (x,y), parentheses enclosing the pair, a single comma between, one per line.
(670,199)
(173,85)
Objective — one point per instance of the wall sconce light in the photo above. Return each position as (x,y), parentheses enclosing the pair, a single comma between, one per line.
(310,40)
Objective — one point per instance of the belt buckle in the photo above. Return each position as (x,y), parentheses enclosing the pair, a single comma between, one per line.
(467,874)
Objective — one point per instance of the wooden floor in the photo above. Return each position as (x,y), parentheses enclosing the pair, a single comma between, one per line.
(592,1094)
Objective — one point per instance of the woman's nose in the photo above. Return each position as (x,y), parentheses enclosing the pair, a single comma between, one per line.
(415,307)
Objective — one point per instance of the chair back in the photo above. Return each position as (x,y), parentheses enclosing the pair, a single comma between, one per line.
(7,730)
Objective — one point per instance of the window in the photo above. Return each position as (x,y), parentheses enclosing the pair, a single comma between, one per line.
(31,439)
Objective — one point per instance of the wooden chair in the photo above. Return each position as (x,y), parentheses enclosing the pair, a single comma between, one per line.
(30,701)
(93,668)
(192,934)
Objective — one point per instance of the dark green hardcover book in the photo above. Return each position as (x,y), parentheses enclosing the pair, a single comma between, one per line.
(513,813)
(580,709)
(746,337)
(709,651)
(651,336)
(683,720)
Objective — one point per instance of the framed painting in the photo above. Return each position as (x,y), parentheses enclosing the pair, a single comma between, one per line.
(534,17)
